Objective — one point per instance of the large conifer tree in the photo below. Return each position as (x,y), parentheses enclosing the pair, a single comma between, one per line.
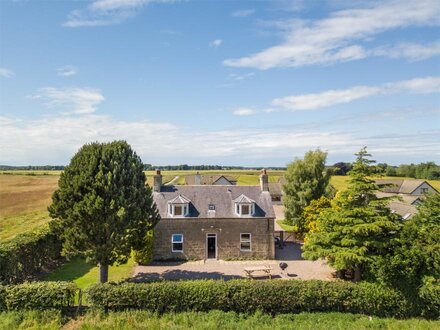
(102,208)
(359,226)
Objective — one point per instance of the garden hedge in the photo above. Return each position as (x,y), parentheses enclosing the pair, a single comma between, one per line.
(37,295)
(244,296)
(429,295)
(28,254)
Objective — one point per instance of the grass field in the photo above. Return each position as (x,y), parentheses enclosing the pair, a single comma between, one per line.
(84,274)
(212,320)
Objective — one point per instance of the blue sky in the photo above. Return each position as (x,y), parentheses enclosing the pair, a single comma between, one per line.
(254,83)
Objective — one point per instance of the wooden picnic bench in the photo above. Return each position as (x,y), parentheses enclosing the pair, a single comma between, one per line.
(266,269)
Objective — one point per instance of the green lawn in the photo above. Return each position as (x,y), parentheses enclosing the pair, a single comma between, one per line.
(284,225)
(212,320)
(83,274)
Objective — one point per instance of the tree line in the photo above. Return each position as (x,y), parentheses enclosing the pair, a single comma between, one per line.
(428,170)
(146,167)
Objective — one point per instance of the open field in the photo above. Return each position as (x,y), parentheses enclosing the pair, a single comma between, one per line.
(211,320)
(23,202)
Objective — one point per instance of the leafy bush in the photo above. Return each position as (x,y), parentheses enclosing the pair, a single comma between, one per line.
(27,254)
(429,295)
(145,256)
(245,296)
(39,295)
(2,298)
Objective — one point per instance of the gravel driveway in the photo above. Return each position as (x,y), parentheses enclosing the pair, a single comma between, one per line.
(219,269)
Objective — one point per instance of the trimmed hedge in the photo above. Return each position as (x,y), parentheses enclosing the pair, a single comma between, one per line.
(37,295)
(244,296)
(28,254)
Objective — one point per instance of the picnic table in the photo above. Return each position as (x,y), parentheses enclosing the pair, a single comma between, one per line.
(264,268)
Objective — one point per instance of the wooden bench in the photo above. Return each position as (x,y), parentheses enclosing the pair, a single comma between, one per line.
(266,269)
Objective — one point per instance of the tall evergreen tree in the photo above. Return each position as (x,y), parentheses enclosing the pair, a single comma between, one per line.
(102,207)
(306,179)
(358,228)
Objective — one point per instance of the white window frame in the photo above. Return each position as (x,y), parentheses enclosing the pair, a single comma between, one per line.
(173,242)
(171,210)
(424,190)
(246,241)
(239,209)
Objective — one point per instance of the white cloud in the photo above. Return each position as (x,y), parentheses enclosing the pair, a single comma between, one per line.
(6,73)
(67,71)
(107,12)
(331,39)
(329,98)
(409,51)
(244,112)
(72,100)
(54,139)
(243,13)
(215,43)
(236,76)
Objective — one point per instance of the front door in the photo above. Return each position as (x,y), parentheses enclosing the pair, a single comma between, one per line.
(211,246)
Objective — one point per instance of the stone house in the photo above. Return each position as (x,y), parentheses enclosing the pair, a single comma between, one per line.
(220,180)
(213,221)
(410,193)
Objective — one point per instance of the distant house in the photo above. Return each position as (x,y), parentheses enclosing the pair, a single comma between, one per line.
(213,221)
(276,190)
(199,179)
(409,191)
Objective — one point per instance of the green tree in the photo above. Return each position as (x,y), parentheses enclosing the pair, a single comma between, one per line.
(416,255)
(306,179)
(358,228)
(313,211)
(102,208)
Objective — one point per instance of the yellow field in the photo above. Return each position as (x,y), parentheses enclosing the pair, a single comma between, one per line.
(23,202)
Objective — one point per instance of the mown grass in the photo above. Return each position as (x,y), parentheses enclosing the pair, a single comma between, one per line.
(285,226)
(84,274)
(211,320)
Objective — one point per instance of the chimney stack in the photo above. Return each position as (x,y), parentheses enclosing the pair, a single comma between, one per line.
(264,180)
(198,179)
(157,181)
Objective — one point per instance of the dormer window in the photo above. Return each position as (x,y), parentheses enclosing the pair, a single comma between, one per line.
(244,206)
(178,206)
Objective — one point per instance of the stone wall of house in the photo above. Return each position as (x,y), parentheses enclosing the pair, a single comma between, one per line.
(228,238)
(419,190)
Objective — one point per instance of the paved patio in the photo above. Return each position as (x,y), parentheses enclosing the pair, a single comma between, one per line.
(218,269)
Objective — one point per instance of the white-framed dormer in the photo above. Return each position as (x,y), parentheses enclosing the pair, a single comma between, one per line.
(244,206)
(178,207)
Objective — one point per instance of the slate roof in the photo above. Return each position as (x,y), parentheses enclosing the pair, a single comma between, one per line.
(406,211)
(222,197)
(407,199)
(208,179)
(180,200)
(243,199)
(276,188)
(399,186)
